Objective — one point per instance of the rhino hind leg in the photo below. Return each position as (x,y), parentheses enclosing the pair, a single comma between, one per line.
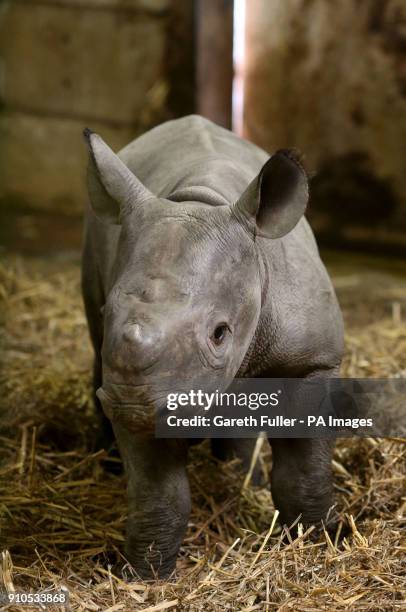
(105,436)
(93,299)
(226,449)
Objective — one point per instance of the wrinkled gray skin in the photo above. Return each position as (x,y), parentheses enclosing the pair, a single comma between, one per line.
(192,229)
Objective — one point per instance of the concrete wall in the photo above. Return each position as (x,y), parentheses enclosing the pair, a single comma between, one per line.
(68,64)
(329,77)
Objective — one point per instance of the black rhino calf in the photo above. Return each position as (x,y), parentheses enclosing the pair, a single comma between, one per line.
(199,264)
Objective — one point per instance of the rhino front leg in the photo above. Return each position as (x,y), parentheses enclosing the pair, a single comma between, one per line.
(301,479)
(158,502)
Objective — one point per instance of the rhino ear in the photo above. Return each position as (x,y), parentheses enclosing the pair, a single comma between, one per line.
(113,188)
(276,199)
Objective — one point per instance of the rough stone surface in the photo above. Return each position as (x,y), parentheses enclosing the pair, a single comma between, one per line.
(70,64)
(81,63)
(330,79)
(46,161)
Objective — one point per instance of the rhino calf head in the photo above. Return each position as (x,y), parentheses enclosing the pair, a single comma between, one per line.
(185,299)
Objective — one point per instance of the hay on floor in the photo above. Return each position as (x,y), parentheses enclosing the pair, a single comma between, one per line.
(63,517)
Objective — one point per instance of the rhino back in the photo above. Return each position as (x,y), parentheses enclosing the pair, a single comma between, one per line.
(193,151)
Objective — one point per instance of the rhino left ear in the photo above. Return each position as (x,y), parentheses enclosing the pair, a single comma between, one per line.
(113,188)
(276,199)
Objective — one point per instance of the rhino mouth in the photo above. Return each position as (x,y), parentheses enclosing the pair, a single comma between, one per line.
(142,409)
(131,406)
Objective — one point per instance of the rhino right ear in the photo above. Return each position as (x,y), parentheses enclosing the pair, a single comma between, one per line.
(113,189)
(274,202)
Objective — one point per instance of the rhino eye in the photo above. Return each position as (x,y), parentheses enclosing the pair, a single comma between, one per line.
(219,333)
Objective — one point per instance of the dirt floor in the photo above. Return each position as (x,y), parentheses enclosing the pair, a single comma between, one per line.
(63,517)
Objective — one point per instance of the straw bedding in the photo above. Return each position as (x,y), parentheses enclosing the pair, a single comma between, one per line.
(63,516)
